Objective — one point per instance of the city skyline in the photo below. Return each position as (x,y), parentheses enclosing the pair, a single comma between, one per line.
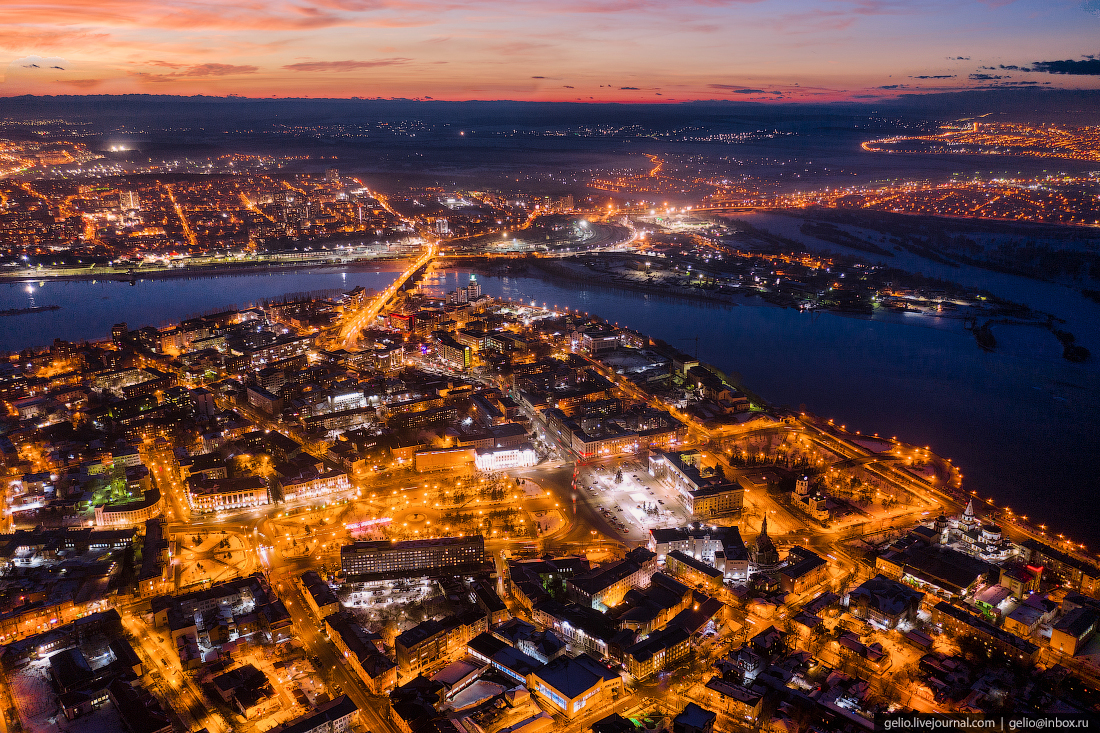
(589,52)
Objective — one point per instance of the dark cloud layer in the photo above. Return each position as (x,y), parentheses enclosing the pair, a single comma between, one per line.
(736,89)
(1088,67)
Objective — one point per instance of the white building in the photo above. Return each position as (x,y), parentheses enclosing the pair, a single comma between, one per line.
(499,459)
(331,482)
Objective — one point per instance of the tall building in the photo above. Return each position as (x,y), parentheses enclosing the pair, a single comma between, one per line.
(382,558)
(457,355)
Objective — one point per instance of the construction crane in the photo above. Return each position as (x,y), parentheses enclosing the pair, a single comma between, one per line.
(696,340)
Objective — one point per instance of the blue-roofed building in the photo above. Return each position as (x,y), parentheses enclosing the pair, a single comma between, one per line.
(571,685)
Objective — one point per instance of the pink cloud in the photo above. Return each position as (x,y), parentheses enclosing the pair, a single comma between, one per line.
(192,72)
(80,83)
(218,70)
(344,65)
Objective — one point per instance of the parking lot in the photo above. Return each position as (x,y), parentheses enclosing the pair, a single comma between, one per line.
(635,503)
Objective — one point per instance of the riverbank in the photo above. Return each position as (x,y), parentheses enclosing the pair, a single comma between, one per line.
(380,264)
(573,271)
(554,269)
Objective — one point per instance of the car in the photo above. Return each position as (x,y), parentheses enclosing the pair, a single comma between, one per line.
(618,508)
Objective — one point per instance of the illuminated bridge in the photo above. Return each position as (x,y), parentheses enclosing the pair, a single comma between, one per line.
(360,319)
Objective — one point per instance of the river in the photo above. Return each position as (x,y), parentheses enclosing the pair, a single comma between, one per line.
(1019,422)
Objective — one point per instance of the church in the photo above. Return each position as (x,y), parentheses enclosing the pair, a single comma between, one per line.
(763,557)
(971,535)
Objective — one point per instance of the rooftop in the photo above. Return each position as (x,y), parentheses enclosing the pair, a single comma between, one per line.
(573,677)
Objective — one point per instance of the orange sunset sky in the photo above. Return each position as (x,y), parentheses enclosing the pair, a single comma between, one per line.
(568,50)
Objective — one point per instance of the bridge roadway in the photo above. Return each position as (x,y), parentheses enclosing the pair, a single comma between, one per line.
(360,319)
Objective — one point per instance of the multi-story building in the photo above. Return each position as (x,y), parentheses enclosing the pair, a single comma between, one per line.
(431,644)
(720,500)
(960,622)
(363,652)
(804,570)
(884,601)
(322,601)
(446,459)
(934,568)
(528,579)
(402,321)
(499,459)
(330,482)
(35,617)
(499,653)
(1074,630)
(457,355)
(605,586)
(657,652)
(282,348)
(236,592)
(489,602)
(701,541)
(152,576)
(583,627)
(263,400)
(130,514)
(1078,574)
(704,492)
(382,558)
(647,610)
(692,571)
(227,494)
(334,716)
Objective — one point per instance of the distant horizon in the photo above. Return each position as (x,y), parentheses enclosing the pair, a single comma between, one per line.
(1018,94)
(861,102)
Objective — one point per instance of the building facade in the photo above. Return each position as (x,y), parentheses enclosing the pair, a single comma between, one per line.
(423,557)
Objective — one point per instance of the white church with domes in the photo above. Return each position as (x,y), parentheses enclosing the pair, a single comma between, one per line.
(981,539)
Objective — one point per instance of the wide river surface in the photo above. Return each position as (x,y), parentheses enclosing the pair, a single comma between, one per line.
(1020,422)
